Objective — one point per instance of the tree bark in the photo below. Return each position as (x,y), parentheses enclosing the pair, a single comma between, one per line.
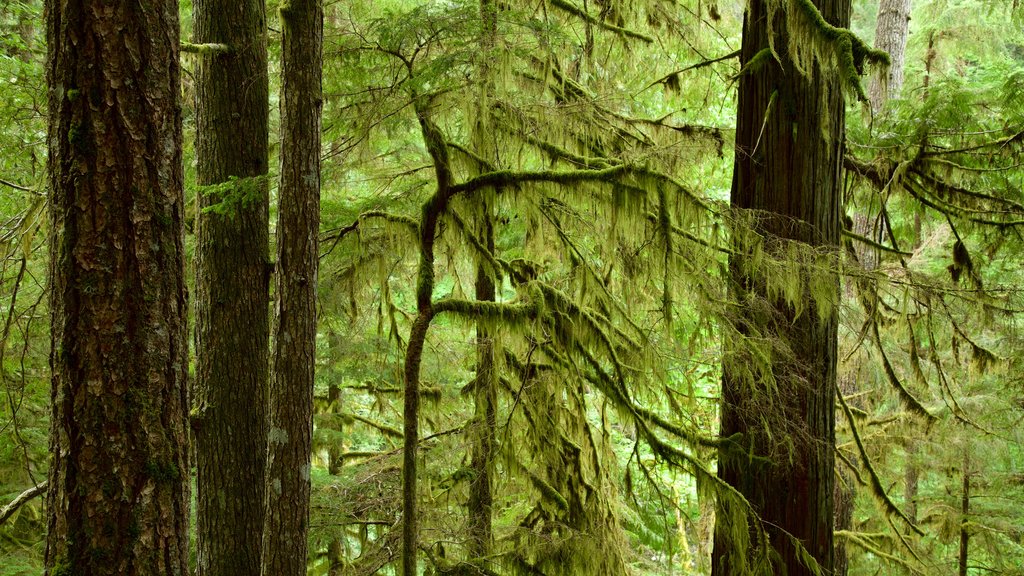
(118,494)
(891,36)
(481,499)
(485,395)
(232,286)
(290,442)
(965,511)
(787,179)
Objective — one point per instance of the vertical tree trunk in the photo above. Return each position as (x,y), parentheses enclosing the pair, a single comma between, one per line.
(291,390)
(965,511)
(118,482)
(485,390)
(484,416)
(891,36)
(232,290)
(788,155)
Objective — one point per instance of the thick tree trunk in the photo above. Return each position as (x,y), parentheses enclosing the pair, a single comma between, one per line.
(291,391)
(118,482)
(788,155)
(891,36)
(232,290)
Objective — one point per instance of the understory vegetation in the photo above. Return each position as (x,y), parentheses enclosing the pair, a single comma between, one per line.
(527,287)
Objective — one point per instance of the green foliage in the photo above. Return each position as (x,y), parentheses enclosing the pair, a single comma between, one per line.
(608,249)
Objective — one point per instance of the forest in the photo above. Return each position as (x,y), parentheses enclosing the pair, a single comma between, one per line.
(523,288)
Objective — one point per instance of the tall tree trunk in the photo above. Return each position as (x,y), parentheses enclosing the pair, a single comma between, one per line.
(232,286)
(291,390)
(485,390)
(965,511)
(787,168)
(484,416)
(890,36)
(118,482)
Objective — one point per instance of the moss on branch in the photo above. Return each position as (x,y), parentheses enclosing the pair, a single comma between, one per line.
(205,49)
(575,11)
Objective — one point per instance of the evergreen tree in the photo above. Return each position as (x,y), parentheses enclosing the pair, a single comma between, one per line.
(232,284)
(118,481)
(778,403)
(285,531)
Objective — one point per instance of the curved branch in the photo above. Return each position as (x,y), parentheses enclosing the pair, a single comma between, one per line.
(23,498)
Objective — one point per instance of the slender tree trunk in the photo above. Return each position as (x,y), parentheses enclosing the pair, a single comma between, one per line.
(118,482)
(485,391)
(787,168)
(232,286)
(965,511)
(484,416)
(891,36)
(291,391)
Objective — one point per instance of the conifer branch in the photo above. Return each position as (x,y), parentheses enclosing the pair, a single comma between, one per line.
(339,234)
(908,399)
(666,79)
(17,186)
(864,240)
(858,540)
(390,431)
(503,312)
(876,482)
(19,501)
(205,49)
(567,7)
(514,177)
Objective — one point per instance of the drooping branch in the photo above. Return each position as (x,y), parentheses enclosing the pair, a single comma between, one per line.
(876,482)
(673,77)
(575,11)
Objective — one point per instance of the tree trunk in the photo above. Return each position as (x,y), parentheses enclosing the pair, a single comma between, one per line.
(232,290)
(787,168)
(118,482)
(891,36)
(484,416)
(291,391)
(965,511)
(485,390)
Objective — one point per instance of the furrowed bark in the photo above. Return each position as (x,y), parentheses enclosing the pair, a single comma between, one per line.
(286,526)
(787,169)
(118,491)
(232,286)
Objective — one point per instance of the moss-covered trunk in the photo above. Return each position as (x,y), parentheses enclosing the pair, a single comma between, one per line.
(118,482)
(485,395)
(787,167)
(291,389)
(232,286)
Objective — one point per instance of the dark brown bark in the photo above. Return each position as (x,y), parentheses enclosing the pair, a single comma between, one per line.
(787,167)
(290,443)
(965,511)
(891,33)
(232,281)
(118,483)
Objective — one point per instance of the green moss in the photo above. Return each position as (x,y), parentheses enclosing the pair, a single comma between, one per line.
(162,471)
(78,137)
(62,568)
